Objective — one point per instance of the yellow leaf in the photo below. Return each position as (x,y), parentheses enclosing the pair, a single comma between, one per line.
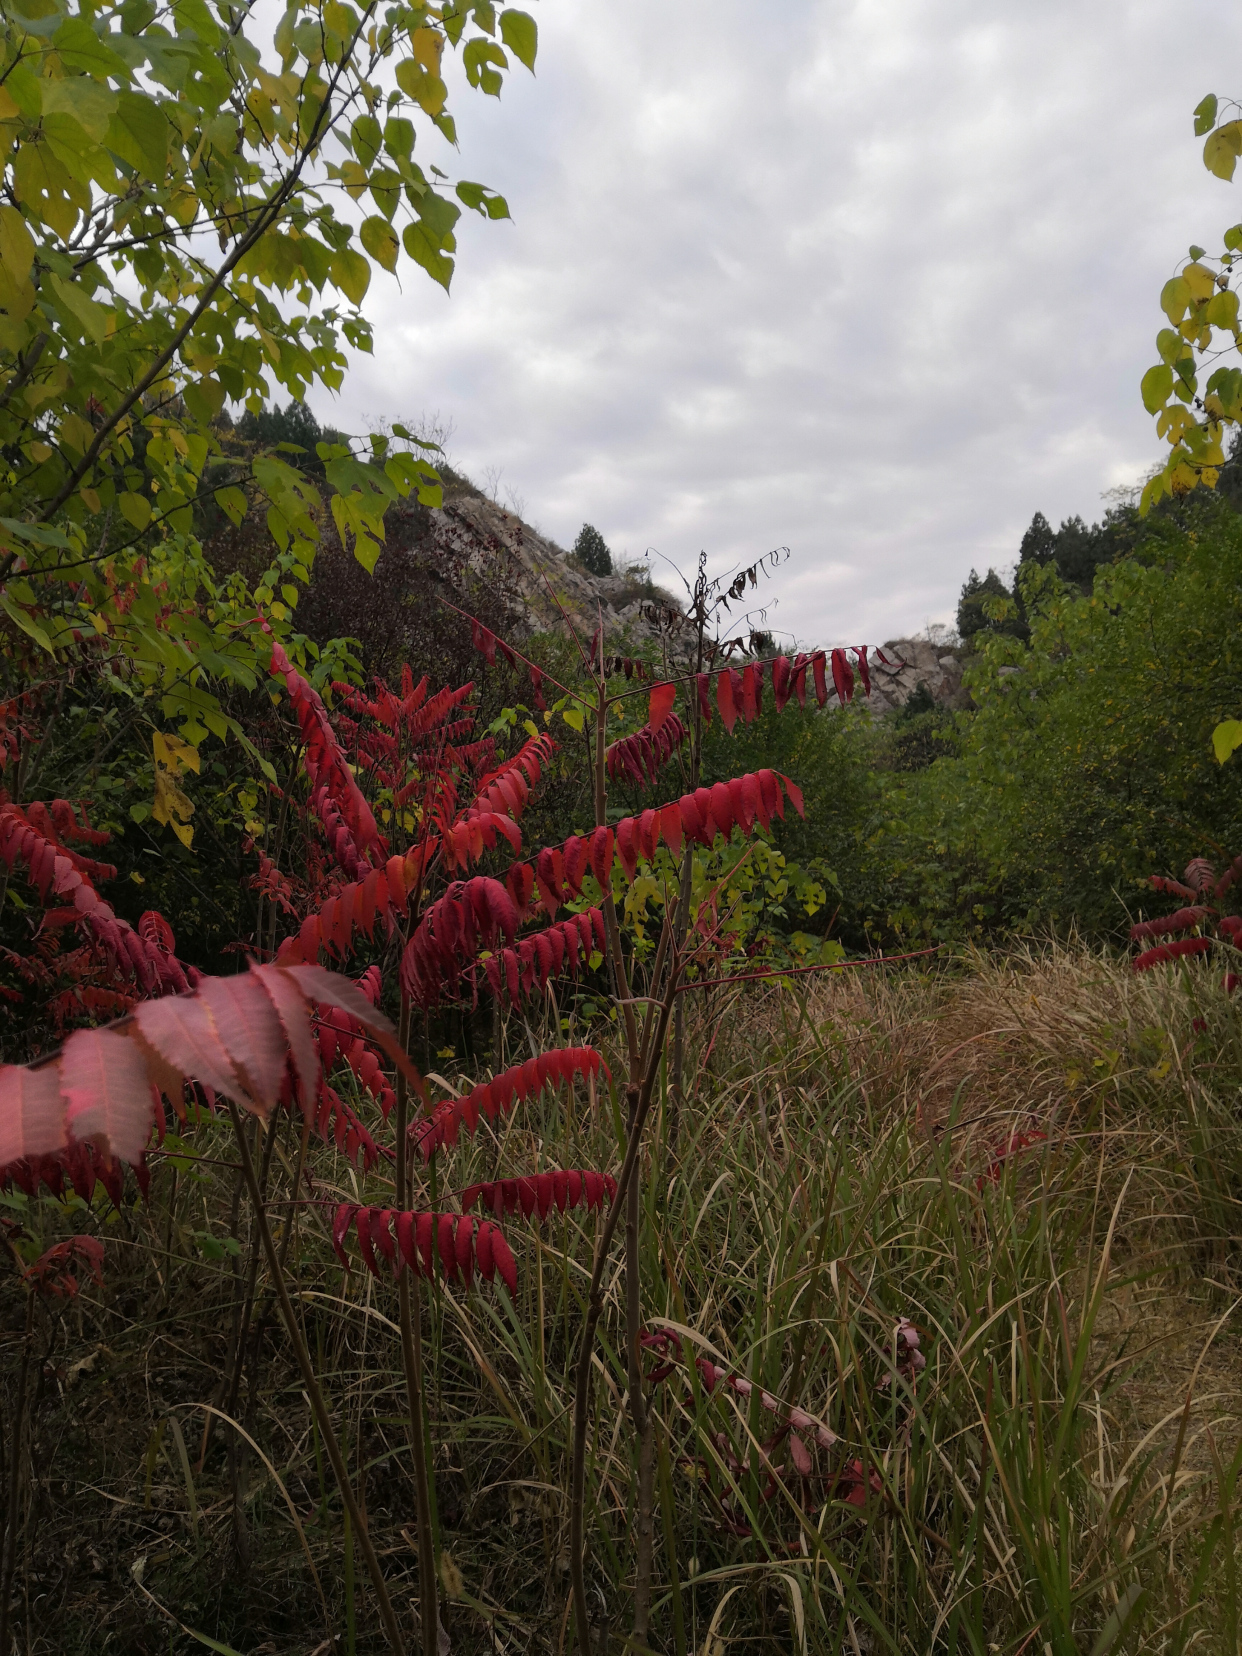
(423,86)
(1226,738)
(1222,148)
(380,241)
(92,500)
(1175,298)
(17,248)
(1200,281)
(428,44)
(351,273)
(173,753)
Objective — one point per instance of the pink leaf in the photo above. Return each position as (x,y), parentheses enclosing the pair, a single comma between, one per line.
(107,1093)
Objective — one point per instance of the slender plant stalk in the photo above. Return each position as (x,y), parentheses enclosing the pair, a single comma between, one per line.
(318,1407)
(412,1361)
(611,927)
(595,1306)
(13,1505)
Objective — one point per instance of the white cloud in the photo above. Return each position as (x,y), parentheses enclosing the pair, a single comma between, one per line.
(872,281)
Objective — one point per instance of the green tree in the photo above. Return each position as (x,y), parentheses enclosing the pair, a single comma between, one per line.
(190,216)
(1201,306)
(591,551)
(1085,766)
(987,605)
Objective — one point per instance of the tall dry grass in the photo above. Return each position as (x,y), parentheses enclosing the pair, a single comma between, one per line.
(1035,1158)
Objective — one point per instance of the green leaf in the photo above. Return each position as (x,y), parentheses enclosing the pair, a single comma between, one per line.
(42,534)
(1221,151)
(380,240)
(1226,738)
(74,299)
(573,717)
(426,252)
(32,629)
(204,398)
(232,502)
(476,59)
(89,104)
(1156,387)
(367,138)
(398,137)
(135,509)
(520,33)
(17,248)
(427,90)
(1196,252)
(351,273)
(483,200)
(1175,298)
(79,47)
(367,552)
(1205,117)
(138,133)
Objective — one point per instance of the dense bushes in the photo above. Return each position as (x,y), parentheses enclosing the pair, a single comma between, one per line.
(1087,762)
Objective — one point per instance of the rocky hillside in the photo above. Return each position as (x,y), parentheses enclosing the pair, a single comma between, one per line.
(483,533)
(541,576)
(475,555)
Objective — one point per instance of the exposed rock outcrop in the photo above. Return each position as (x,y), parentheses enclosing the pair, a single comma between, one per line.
(498,544)
(922,664)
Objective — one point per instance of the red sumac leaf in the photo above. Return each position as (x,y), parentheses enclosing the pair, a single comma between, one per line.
(818,663)
(703,689)
(1172,951)
(725,699)
(504,1262)
(661,705)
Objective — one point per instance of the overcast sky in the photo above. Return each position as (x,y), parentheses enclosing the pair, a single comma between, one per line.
(872,279)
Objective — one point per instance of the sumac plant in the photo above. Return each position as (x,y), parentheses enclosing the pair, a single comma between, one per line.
(399,862)
(1197,925)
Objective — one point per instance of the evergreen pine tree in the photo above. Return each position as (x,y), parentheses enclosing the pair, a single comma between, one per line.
(591,551)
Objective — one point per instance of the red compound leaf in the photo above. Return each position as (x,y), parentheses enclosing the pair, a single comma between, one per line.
(248,1037)
(539,1192)
(1012,1147)
(467,840)
(335,796)
(506,789)
(1199,875)
(472,915)
(729,696)
(562,947)
(494,1098)
(1183,920)
(337,1123)
(53,1271)
(1171,951)
(842,677)
(639,757)
(56,870)
(1175,888)
(864,670)
(660,705)
(700,816)
(422,1239)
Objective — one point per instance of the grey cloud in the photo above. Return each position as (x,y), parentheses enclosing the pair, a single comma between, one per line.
(872,281)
